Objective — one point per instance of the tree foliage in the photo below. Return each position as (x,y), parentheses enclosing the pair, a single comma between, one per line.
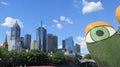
(58,58)
(32,58)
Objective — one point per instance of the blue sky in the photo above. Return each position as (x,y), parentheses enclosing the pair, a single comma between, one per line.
(63,18)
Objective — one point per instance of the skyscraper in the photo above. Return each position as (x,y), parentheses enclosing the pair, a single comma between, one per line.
(69,45)
(52,43)
(77,48)
(41,37)
(15,32)
(15,40)
(27,41)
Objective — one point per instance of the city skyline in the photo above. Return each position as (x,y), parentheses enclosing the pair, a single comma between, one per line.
(63,18)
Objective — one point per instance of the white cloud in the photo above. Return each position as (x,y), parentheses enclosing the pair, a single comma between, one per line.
(81,40)
(9,22)
(59,26)
(55,21)
(62,18)
(91,6)
(8,33)
(4,3)
(69,21)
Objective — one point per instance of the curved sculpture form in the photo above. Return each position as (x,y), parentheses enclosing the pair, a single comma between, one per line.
(103,43)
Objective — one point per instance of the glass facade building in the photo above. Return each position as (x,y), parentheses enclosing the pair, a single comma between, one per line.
(15,32)
(41,37)
(15,40)
(69,45)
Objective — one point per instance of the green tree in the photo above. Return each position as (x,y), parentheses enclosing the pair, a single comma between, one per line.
(37,57)
(5,57)
(58,58)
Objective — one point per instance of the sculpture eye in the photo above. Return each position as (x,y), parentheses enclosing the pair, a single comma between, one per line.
(99,33)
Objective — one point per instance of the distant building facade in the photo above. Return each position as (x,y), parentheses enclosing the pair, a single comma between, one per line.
(21,41)
(11,45)
(63,44)
(27,41)
(77,48)
(69,45)
(52,43)
(33,45)
(15,32)
(15,40)
(41,37)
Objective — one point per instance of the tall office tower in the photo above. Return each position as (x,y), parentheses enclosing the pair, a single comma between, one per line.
(77,48)
(5,44)
(69,45)
(27,41)
(63,44)
(15,42)
(15,32)
(41,37)
(52,43)
(33,45)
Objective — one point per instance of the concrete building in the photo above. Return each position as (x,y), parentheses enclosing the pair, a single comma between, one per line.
(77,48)
(33,45)
(11,45)
(52,43)
(27,41)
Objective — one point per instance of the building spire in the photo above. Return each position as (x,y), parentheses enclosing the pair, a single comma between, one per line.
(41,23)
(5,44)
(5,38)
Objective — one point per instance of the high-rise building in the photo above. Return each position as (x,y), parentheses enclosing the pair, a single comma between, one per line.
(27,41)
(5,44)
(15,32)
(52,43)
(41,37)
(63,44)
(69,45)
(33,45)
(77,48)
(15,40)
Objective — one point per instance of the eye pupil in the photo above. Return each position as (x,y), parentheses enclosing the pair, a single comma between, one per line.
(99,33)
